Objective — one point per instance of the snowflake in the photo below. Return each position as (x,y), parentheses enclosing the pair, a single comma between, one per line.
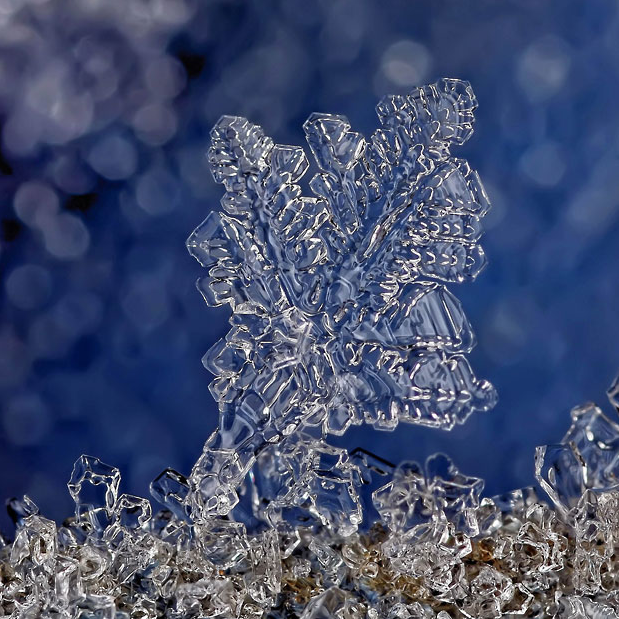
(341,315)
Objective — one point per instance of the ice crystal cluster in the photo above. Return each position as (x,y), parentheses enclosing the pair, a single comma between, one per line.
(340,313)
(341,316)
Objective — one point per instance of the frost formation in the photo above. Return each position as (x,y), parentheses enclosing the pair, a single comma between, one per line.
(340,316)
(340,311)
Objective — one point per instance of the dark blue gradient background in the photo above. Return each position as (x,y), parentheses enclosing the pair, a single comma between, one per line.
(105,110)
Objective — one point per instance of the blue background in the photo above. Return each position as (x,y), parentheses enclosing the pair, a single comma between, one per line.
(105,108)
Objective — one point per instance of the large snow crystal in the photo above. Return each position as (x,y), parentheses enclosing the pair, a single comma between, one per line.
(340,311)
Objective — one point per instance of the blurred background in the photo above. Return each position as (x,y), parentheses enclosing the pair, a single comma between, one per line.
(105,109)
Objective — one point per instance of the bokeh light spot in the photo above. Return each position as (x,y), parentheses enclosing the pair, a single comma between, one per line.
(113,157)
(543,163)
(34,202)
(406,63)
(543,67)
(28,286)
(66,237)
(26,420)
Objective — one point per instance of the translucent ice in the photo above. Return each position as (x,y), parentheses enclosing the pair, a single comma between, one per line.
(341,315)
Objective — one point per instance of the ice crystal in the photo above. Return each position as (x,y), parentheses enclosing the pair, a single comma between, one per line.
(340,311)
(436,549)
(338,319)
